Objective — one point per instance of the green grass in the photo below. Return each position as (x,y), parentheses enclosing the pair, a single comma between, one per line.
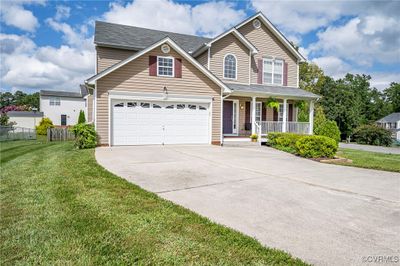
(371,160)
(58,206)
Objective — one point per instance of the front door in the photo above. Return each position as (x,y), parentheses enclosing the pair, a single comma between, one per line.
(230,118)
(63,120)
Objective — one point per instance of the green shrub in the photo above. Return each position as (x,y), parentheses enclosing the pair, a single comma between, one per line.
(85,136)
(283,139)
(81,118)
(327,128)
(44,124)
(4,119)
(316,147)
(372,135)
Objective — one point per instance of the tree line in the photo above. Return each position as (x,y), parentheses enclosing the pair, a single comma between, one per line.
(349,101)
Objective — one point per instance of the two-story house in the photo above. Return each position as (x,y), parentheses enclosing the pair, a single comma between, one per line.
(156,87)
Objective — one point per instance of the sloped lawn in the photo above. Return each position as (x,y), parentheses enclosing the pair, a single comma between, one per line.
(58,206)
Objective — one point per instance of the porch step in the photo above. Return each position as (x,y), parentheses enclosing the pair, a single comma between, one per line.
(240,143)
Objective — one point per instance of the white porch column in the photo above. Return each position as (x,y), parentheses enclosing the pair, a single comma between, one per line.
(311,118)
(284,116)
(253,115)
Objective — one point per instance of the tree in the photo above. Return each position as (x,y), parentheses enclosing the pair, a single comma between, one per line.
(392,95)
(19,98)
(81,118)
(4,119)
(311,77)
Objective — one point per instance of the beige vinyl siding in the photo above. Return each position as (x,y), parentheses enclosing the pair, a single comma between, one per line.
(90,108)
(134,76)
(107,57)
(268,45)
(203,59)
(230,45)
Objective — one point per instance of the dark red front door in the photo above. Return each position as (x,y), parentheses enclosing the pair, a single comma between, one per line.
(227,119)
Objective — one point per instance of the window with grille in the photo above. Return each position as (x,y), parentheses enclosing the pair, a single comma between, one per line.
(273,71)
(165,66)
(230,67)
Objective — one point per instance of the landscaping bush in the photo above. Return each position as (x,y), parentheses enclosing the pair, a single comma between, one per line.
(85,136)
(328,128)
(372,135)
(81,118)
(44,124)
(283,141)
(316,147)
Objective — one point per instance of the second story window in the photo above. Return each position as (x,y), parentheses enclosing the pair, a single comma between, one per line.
(273,71)
(165,66)
(54,101)
(230,66)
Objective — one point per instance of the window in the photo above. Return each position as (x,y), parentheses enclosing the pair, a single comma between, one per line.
(156,106)
(280,113)
(258,111)
(131,104)
(192,107)
(119,105)
(230,66)
(145,105)
(180,106)
(165,66)
(54,101)
(63,120)
(273,71)
(202,107)
(170,107)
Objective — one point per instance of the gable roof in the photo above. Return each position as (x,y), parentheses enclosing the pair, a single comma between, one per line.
(393,117)
(136,38)
(24,114)
(275,31)
(176,47)
(236,33)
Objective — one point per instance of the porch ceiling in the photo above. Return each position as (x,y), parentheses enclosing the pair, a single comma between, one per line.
(255,90)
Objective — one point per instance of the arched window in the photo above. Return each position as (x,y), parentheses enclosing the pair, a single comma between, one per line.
(230,66)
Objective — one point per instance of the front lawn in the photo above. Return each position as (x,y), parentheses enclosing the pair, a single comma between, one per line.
(372,160)
(58,206)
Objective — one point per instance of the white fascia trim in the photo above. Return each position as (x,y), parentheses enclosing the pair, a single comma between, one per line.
(159,97)
(275,31)
(151,47)
(238,35)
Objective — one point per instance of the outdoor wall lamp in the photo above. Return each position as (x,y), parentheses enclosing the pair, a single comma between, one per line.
(165,93)
(241,106)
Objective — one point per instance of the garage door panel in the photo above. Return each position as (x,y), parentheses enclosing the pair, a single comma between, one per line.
(142,122)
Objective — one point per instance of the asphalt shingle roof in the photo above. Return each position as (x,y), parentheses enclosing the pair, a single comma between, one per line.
(136,38)
(272,90)
(393,117)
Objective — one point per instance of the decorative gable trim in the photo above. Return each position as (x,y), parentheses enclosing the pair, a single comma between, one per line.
(275,31)
(236,33)
(178,49)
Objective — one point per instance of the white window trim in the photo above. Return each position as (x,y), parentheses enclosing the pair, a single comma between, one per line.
(273,70)
(173,67)
(54,100)
(223,67)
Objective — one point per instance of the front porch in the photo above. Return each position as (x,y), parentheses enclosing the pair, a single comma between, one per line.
(243,116)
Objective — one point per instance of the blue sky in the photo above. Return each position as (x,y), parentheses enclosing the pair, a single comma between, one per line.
(49,44)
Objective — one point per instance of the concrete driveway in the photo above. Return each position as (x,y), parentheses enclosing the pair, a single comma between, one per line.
(324,214)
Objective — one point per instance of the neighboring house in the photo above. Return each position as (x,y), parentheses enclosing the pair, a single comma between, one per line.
(391,122)
(156,87)
(25,119)
(63,107)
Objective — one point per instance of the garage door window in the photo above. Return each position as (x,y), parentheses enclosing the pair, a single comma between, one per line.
(170,107)
(119,105)
(192,107)
(132,104)
(180,106)
(156,106)
(145,105)
(202,107)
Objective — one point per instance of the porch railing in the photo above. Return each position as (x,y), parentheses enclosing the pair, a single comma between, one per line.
(277,126)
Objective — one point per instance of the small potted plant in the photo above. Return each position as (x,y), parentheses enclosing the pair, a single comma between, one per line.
(254,137)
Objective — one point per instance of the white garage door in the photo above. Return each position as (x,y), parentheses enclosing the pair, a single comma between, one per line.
(144,122)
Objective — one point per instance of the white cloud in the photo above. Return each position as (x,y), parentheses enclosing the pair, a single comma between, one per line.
(14,14)
(207,19)
(332,66)
(24,65)
(382,80)
(62,12)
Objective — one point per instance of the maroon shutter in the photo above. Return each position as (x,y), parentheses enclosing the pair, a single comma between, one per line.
(290,112)
(259,71)
(178,68)
(275,115)
(285,73)
(152,65)
(264,112)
